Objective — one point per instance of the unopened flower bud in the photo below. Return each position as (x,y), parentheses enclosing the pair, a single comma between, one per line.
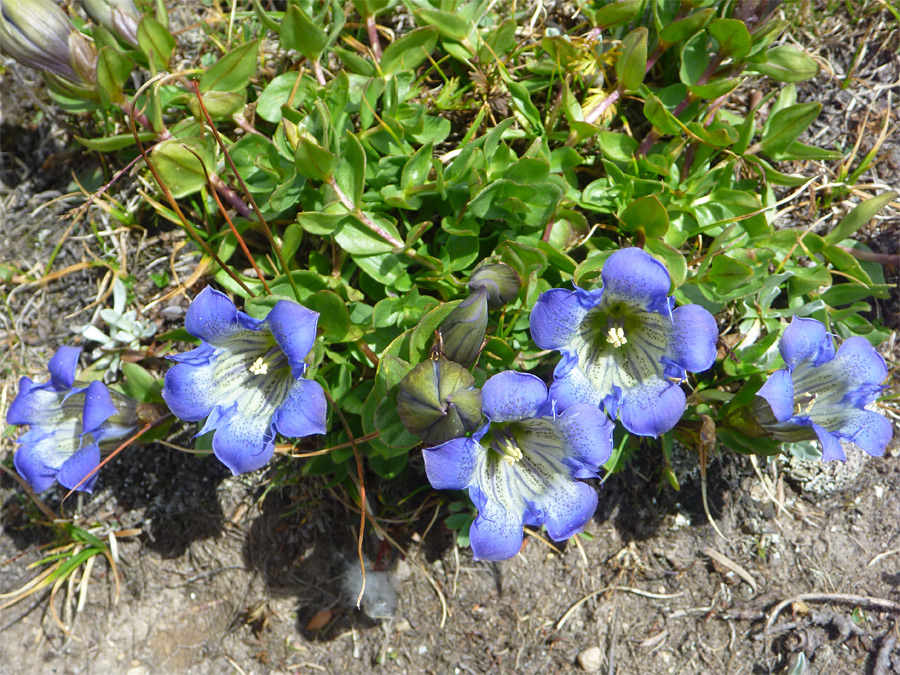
(118,16)
(462,332)
(499,279)
(37,34)
(438,401)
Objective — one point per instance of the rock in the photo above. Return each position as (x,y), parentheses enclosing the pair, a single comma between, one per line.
(591,659)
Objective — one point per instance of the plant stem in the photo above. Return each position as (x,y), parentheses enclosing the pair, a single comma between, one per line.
(374,41)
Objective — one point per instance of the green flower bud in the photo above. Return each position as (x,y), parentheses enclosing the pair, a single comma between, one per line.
(120,17)
(462,332)
(438,401)
(37,34)
(500,280)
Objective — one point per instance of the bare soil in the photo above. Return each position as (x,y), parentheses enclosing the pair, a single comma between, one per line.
(249,575)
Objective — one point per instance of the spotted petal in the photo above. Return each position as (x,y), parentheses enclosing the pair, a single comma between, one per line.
(98,407)
(806,340)
(557,316)
(511,395)
(693,338)
(303,411)
(62,367)
(450,466)
(294,328)
(497,532)
(634,276)
(868,430)
(78,466)
(652,408)
(779,393)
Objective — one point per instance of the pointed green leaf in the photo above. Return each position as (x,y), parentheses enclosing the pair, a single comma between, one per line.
(787,124)
(156,42)
(633,62)
(861,214)
(300,33)
(233,71)
(409,51)
(313,161)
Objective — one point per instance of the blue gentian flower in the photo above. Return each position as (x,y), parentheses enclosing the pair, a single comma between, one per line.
(625,347)
(521,466)
(69,423)
(825,392)
(246,378)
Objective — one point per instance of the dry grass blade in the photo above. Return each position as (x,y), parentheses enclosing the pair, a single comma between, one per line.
(733,566)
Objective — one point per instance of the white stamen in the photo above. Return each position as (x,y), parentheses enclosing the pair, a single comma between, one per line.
(259,367)
(511,451)
(805,402)
(616,336)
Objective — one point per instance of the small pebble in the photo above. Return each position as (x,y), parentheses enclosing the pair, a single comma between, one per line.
(591,659)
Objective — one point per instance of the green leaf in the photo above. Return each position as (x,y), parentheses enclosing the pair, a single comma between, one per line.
(140,384)
(350,173)
(416,170)
(113,70)
(313,161)
(647,214)
(156,42)
(861,214)
(300,33)
(786,125)
(115,142)
(617,147)
(278,93)
(616,13)
(293,235)
(732,36)
(321,224)
(844,294)
(659,116)
(357,239)
(522,103)
(409,51)
(178,166)
(728,274)
(672,258)
(219,104)
(686,27)
(448,24)
(787,63)
(233,71)
(334,319)
(633,62)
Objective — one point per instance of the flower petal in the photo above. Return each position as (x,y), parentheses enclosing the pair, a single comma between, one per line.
(41,454)
(244,442)
(779,393)
(831,446)
(806,339)
(557,316)
(861,366)
(449,466)
(510,396)
(98,407)
(574,387)
(652,408)
(294,328)
(78,466)
(190,391)
(868,430)
(62,367)
(496,533)
(570,508)
(586,432)
(693,339)
(34,404)
(212,316)
(633,275)
(303,411)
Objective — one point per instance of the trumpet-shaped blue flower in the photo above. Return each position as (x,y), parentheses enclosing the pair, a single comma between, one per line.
(246,378)
(823,394)
(69,423)
(521,467)
(625,347)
